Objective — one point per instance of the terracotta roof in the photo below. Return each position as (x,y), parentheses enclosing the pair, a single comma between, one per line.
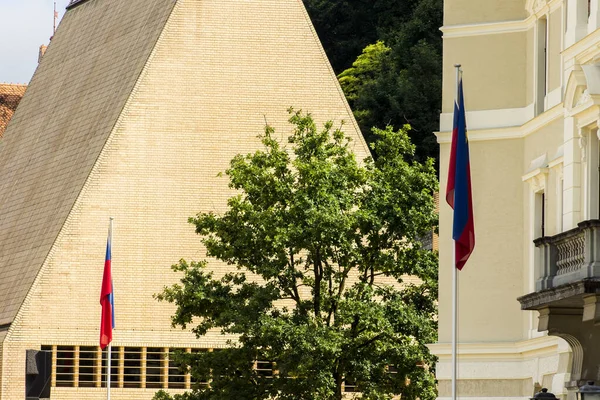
(10,96)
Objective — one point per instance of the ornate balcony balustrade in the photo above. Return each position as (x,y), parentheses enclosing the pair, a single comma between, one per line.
(570,256)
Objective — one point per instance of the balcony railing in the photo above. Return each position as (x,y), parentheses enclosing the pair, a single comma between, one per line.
(569,256)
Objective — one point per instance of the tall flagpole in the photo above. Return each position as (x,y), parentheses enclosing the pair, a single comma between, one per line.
(455,288)
(55,17)
(454,321)
(109,351)
(108,369)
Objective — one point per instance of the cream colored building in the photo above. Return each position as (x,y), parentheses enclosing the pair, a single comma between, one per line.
(532,90)
(133,111)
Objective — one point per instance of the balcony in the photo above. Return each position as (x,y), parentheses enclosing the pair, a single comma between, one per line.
(567,295)
(568,268)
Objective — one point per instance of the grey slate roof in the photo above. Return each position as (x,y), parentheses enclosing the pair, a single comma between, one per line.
(61,125)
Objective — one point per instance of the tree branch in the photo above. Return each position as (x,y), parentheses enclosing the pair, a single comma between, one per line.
(318,271)
(370,341)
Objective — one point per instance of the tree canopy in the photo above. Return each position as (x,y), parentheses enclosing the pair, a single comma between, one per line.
(403,84)
(322,244)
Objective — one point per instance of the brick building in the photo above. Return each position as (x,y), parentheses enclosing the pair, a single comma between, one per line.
(133,111)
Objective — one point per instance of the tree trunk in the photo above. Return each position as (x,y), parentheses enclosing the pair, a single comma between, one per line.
(338,387)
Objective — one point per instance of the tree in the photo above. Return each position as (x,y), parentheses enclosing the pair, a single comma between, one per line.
(322,244)
(359,82)
(389,92)
(404,83)
(345,27)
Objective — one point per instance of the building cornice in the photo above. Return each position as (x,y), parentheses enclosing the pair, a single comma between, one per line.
(536,9)
(512,350)
(557,162)
(517,132)
(586,50)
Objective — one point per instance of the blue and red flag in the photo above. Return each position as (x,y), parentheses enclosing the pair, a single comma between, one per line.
(458,191)
(107,321)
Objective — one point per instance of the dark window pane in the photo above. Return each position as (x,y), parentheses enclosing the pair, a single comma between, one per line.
(87,366)
(154,360)
(65,365)
(264,369)
(349,386)
(132,367)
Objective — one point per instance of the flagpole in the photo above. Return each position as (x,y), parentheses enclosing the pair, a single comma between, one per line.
(454,321)
(109,352)
(455,288)
(108,368)
(54,21)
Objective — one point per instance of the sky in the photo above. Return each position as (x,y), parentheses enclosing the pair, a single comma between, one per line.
(24,26)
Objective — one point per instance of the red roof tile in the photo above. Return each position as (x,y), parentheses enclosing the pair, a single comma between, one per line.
(10,96)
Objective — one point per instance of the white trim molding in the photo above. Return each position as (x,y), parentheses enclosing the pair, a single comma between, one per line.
(498,131)
(537,179)
(528,359)
(536,164)
(504,350)
(557,162)
(490,119)
(585,50)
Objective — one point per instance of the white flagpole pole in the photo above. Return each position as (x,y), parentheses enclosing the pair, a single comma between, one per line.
(108,370)
(454,322)
(455,289)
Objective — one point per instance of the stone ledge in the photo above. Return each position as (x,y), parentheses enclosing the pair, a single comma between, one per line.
(567,295)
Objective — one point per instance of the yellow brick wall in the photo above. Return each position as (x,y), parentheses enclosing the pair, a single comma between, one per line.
(219,70)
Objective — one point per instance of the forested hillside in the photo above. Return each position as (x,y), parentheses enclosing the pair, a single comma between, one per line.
(388,57)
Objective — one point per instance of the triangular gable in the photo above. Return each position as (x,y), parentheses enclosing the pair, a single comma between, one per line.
(61,125)
(219,70)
